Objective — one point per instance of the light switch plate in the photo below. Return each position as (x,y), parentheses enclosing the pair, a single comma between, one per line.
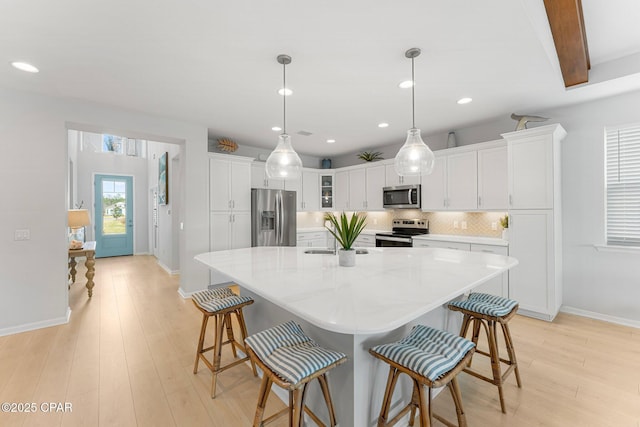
(22,234)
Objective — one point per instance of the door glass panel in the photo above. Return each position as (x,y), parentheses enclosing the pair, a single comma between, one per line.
(114,208)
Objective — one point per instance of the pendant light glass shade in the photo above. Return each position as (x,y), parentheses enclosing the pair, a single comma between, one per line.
(415,157)
(284,162)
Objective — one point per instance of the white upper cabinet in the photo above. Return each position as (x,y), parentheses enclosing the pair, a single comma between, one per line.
(462,176)
(357,186)
(393,179)
(310,192)
(533,173)
(229,184)
(493,179)
(452,185)
(259,178)
(341,190)
(434,193)
(376,181)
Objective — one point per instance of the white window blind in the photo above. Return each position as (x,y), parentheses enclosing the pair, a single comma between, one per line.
(623,185)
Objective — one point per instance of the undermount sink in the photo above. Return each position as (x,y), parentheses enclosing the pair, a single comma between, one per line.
(331,251)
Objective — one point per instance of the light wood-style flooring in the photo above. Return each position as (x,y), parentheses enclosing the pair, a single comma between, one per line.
(126,359)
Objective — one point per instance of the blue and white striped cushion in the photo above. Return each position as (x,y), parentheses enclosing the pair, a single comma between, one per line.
(291,354)
(217,299)
(490,305)
(427,351)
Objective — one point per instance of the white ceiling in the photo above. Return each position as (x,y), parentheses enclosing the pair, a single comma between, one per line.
(214,63)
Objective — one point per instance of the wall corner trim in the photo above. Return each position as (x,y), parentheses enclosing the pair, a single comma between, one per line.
(37,325)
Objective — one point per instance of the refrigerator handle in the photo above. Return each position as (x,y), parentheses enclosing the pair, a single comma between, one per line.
(278,219)
(281,224)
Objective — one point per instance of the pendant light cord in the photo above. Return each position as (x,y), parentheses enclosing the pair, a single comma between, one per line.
(284,98)
(413,95)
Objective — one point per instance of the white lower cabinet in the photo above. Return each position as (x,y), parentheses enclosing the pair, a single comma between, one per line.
(534,281)
(312,239)
(365,241)
(230,230)
(498,285)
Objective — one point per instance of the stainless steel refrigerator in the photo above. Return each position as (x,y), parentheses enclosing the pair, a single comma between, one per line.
(273,217)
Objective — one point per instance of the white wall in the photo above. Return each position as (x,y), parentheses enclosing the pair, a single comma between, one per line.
(90,163)
(167,238)
(33,131)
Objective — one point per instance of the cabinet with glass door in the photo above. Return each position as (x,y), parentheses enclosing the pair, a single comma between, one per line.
(326,191)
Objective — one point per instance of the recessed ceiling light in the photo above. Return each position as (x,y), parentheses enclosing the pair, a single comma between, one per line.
(406,84)
(276,128)
(330,141)
(464,100)
(25,67)
(285,91)
(383,125)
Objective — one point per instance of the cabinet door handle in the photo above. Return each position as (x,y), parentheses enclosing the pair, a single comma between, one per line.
(479,201)
(233,204)
(510,200)
(229,204)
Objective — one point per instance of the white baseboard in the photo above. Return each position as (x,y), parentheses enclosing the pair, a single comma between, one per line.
(185,295)
(167,269)
(37,325)
(599,316)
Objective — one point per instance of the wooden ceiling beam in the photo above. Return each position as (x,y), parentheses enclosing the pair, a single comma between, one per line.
(569,35)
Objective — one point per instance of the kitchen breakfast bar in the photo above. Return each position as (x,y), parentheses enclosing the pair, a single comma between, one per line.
(351,309)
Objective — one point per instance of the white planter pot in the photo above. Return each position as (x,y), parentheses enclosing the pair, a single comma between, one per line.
(347,258)
(505,234)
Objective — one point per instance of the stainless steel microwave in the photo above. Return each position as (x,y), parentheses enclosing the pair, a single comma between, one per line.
(401,197)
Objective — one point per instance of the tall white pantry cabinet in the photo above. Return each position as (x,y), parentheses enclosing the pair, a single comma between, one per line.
(229,202)
(535,219)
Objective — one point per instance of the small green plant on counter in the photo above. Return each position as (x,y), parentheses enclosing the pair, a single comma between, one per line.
(370,156)
(504,221)
(346,230)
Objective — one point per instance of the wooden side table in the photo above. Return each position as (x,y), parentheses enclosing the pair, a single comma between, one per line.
(88,250)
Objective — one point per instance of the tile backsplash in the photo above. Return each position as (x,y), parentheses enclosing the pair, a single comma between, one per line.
(477,223)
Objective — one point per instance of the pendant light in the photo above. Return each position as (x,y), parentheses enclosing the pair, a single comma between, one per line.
(284,162)
(415,157)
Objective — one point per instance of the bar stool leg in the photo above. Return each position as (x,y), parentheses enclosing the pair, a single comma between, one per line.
(243,332)
(263,396)
(203,329)
(217,352)
(230,337)
(324,385)
(457,400)
(425,411)
(495,362)
(511,351)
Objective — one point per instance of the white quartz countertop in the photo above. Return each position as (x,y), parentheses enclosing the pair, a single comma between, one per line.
(388,287)
(316,229)
(481,240)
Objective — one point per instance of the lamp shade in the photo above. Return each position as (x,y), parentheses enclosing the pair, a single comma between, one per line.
(415,157)
(78,218)
(284,162)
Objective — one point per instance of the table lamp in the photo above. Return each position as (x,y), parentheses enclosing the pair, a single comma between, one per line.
(78,219)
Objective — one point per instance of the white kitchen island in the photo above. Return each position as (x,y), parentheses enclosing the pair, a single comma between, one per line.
(351,309)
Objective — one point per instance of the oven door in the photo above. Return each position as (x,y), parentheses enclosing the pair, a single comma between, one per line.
(393,241)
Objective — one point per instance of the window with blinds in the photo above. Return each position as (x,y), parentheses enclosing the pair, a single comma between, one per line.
(623,185)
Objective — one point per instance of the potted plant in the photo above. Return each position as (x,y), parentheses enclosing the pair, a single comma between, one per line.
(370,156)
(504,222)
(346,231)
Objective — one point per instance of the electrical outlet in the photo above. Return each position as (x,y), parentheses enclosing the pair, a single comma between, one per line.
(22,234)
(375,221)
(464,225)
(317,220)
(455,224)
(494,225)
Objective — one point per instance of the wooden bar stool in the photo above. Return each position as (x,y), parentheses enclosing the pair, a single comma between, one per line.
(432,358)
(489,311)
(220,303)
(291,360)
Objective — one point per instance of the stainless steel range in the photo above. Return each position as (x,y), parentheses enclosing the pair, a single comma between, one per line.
(401,233)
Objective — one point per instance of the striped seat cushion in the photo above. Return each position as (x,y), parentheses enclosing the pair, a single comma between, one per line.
(427,351)
(486,304)
(291,354)
(217,299)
